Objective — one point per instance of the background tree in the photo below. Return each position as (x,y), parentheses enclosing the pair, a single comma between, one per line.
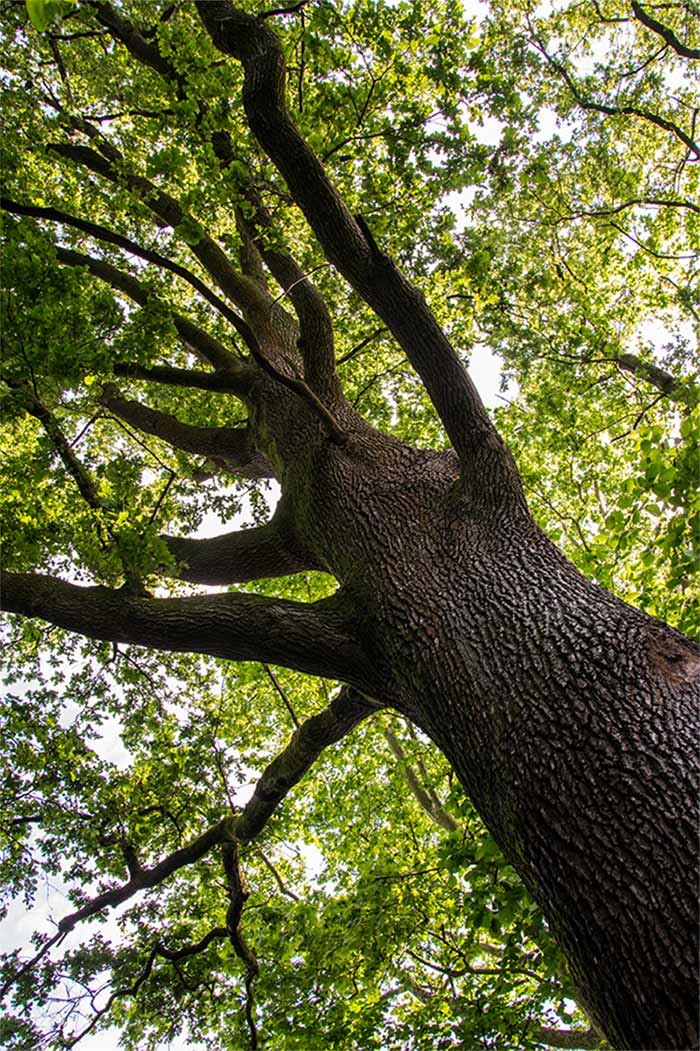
(168,355)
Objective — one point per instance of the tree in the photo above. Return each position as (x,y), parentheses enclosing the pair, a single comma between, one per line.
(177,338)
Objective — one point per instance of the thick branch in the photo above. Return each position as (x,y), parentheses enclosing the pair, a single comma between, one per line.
(316,341)
(311,637)
(315,326)
(239,556)
(658,377)
(664,32)
(232,448)
(223,380)
(143,50)
(204,344)
(343,238)
(566,1038)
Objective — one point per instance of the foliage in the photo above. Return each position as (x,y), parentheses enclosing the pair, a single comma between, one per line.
(536,174)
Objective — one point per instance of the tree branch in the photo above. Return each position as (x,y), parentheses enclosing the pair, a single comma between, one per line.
(231,448)
(658,377)
(238,895)
(613,111)
(666,34)
(146,878)
(133,40)
(204,344)
(373,275)
(101,233)
(223,380)
(435,813)
(239,556)
(359,347)
(194,337)
(70,461)
(314,735)
(316,638)
(316,341)
(240,289)
(567,1038)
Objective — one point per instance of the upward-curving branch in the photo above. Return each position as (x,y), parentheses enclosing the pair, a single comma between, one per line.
(269,550)
(345,239)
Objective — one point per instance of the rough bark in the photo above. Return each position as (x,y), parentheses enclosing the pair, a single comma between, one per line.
(569,717)
(317,638)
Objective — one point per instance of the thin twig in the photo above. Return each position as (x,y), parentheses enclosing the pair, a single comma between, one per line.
(287,703)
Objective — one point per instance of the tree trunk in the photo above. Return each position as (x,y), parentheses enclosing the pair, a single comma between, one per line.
(569,717)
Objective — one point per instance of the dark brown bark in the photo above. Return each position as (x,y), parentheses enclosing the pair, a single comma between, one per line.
(317,638)
(569,717)
(270,550)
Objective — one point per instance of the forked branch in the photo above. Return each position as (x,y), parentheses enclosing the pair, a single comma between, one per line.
(110,165)
(230,448)
(665,32)
(102,233)
(316,734)
(343,239)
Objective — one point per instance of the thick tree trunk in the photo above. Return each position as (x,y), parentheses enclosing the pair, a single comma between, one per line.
(571,720)
(569,717)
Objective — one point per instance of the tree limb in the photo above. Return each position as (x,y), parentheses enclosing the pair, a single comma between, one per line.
(146,878)
(238,895)
(316,638)
(240,289)
(204,344)
(658,377)
(664,32)
(239,556)
(613,111)
(316,342)
(223,380)
(566,1038)
(70,461)
(374,276)
(231,448)
(141,48)
(435,812)
(194,337)
(102,233)
(314,735)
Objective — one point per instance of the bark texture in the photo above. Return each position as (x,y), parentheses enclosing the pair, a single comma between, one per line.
(570,717)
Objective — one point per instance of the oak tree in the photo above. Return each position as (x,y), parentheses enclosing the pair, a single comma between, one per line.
(248,255)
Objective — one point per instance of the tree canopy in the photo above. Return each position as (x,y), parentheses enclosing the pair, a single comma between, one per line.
(534,171)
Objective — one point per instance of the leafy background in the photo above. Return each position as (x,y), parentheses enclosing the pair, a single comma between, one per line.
(524,165)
